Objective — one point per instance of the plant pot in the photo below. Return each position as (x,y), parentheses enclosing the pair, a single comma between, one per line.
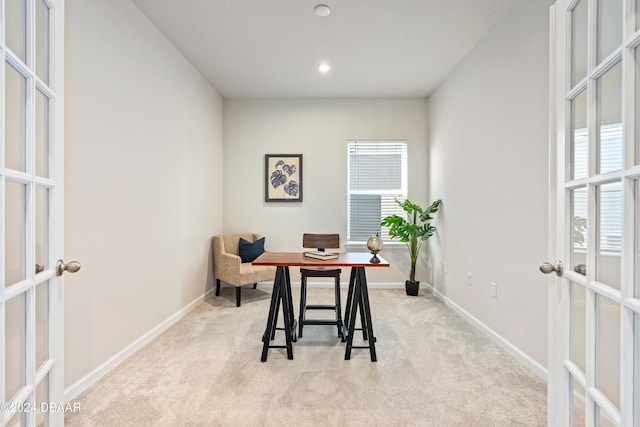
(412,288)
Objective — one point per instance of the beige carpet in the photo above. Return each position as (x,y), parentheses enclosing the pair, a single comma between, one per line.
(433,369)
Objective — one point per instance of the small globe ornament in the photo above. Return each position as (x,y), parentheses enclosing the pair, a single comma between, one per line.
(375,244)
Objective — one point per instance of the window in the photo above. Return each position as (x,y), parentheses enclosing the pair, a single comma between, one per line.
(377,173)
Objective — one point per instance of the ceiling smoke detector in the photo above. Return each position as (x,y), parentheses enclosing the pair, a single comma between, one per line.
(322,10)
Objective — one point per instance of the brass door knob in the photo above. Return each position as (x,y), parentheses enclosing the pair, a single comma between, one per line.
(71,267)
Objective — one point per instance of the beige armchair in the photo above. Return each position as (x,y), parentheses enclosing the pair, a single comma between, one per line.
(229,268)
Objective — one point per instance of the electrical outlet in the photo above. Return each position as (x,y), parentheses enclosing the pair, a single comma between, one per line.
(445,267)
(493,290)
(469,282)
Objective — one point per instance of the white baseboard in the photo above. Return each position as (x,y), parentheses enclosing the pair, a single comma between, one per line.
(94,376)
(502,342)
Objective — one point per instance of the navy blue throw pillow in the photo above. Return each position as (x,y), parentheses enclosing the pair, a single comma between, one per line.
(249,251)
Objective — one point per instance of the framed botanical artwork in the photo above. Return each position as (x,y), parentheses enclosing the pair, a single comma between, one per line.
(283,178)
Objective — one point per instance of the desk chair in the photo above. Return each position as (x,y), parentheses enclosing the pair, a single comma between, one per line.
(320,242)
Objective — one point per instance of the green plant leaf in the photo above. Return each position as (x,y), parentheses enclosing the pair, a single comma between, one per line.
(413,229)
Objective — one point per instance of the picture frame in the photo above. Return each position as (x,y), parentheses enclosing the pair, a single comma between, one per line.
(283,177)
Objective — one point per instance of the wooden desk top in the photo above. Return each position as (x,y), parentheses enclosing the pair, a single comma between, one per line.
(297,259)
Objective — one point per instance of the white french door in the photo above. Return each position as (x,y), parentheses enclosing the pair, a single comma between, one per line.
(594,346)
(31,129)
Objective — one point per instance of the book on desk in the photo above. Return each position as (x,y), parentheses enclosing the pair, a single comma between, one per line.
(321,255)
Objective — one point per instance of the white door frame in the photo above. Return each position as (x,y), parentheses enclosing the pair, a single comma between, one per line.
(57,297)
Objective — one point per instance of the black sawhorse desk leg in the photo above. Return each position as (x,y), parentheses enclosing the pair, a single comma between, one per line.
(360,300)
(294,336)
(347,314)
(281,294)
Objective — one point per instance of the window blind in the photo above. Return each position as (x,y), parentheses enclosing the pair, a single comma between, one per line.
(610,195)
(377,173)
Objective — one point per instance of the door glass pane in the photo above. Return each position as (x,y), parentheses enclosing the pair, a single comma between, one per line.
(42,135)
(16,27)
(636,368)
(579,42)
(637,242)
(603,420)
(15,345)
(610,120)
(15,234)
(637,156)
(579,397)
(579,230)
(579,137)
(609,27)
(42,324)
(15,119)
(42,40)
(609,217)
(608,348)
(578,322)
(42,396)
(18,420)
(42,229)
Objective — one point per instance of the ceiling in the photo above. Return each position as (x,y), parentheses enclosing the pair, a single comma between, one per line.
(376,48)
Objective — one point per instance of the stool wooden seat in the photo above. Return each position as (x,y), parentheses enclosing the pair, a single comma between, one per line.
(320,242)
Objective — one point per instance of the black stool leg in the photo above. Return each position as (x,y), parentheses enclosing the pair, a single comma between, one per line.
(238,295)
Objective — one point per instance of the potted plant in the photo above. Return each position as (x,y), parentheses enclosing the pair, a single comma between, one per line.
(413,230)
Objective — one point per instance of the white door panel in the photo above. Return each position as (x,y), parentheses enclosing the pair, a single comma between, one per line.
(594,351)
(31,196)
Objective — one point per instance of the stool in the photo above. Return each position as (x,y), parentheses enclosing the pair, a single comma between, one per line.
(320,242)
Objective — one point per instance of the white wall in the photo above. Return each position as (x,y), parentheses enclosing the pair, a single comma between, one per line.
(143,173)
(488,135)
(318,129)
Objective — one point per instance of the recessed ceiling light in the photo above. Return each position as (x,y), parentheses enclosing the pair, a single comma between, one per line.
(324,68)
(322,10)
